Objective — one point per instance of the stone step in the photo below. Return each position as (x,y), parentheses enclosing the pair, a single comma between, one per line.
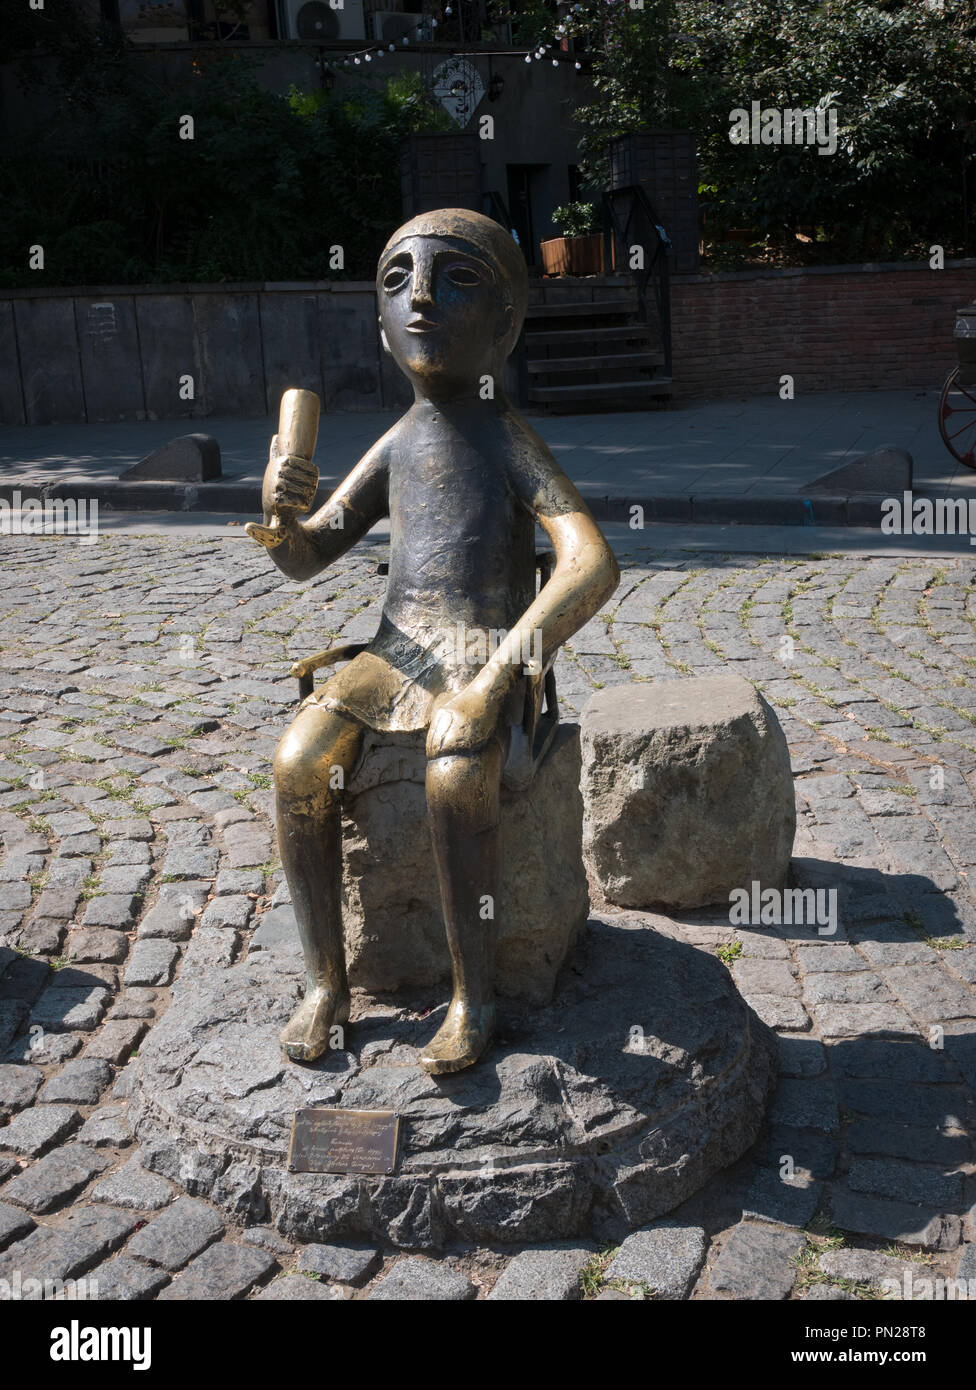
(600,390)
(559,336)
(584,308)
(611,361)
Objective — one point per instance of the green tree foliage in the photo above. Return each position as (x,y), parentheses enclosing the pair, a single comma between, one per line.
(267,185)
(900,73)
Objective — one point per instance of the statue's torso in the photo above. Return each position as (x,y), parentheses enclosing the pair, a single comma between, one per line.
(462,563)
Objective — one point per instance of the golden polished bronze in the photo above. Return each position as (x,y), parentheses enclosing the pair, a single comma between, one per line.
(464,643)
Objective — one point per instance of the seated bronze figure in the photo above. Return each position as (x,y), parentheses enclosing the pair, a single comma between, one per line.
(463,479)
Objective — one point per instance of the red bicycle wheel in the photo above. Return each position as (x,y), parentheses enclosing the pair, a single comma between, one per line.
(957,419)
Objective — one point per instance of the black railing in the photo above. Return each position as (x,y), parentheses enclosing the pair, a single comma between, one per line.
(496,207)
(629,220)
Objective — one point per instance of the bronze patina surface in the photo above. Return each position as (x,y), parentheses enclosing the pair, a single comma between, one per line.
(344,1141)
(464,480)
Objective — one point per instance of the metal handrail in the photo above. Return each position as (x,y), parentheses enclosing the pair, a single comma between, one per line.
(496,207)
(656,270)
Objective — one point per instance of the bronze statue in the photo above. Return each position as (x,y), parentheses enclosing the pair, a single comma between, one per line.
(464,479)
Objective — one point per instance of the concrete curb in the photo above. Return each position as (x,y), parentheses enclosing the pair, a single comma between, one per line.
(243,499)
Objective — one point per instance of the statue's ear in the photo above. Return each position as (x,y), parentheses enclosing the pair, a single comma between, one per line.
(386,345)
(506,321)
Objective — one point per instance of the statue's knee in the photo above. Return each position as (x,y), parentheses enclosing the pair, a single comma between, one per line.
(443,781)
(297,772)
(465,785)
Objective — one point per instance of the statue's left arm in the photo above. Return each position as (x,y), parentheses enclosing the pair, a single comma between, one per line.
(583,578)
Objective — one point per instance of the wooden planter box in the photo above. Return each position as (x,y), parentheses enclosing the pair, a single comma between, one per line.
(573,255)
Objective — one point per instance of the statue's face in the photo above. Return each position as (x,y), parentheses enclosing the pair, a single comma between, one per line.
(443,311)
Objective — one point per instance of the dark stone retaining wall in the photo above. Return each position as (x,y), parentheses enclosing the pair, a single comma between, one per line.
(119,353)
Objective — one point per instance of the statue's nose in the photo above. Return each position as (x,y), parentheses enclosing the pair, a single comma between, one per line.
(422,292)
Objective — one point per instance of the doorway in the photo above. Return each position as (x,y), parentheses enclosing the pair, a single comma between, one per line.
(524,189)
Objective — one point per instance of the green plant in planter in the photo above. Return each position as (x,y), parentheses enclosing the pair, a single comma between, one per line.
(577,219)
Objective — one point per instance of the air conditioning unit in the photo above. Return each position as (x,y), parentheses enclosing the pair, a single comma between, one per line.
(322,21)
(390,26)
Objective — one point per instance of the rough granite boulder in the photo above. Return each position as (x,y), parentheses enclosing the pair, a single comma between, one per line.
(688,792)
(391,904)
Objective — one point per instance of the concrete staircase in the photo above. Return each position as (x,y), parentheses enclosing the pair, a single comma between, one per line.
(587,350)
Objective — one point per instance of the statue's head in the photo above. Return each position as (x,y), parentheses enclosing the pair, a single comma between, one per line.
(452,289)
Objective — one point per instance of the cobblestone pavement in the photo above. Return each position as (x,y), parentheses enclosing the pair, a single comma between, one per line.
(145,685)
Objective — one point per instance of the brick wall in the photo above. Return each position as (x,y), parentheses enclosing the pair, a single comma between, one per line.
(837,328)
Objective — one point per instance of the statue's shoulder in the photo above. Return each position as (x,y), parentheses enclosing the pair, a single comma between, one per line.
(385,450)
(532,466)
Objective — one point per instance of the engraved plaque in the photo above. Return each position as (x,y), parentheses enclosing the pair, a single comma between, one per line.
(344,1141)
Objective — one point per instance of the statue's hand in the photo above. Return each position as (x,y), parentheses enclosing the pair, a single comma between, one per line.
(288,491)
(463,723)
(290,484)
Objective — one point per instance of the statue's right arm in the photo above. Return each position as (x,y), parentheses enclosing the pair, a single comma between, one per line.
(307,546)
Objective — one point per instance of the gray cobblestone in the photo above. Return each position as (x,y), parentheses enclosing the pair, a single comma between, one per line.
(121,1280)
(54,1178)
(417,1280)
(86,1236)
(886,1110)
(182,1231)
(757,1262)
(18,1086)
(14,1224)
(665,1257)
(292,1288)
(224,1271)
(151,963)
(79,1082)
(34,1131)
(132,1187)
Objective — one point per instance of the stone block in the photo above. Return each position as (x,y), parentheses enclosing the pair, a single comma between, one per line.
(391,904)
(191,458)
(688,792)
(886,471)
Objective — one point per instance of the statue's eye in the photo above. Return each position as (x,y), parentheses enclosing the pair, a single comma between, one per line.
(395,278)
(460,273)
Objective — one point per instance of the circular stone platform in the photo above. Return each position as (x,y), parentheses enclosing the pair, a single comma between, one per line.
(646,1076)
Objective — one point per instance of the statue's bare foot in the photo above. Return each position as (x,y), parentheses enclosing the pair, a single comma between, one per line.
(306,1035)
(462,1038)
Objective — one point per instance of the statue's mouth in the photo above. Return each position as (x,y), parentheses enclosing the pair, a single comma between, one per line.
(422,325)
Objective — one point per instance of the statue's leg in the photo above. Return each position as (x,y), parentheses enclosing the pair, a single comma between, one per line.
(312,763)
(463,796)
